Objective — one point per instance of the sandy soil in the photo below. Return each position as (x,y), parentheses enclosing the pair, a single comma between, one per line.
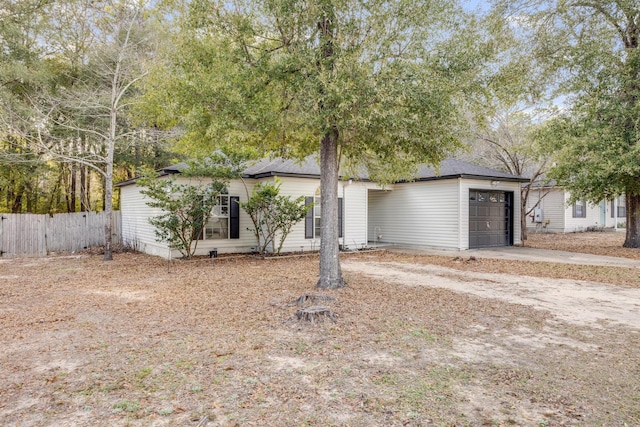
(597,243)
(417,341)
(579,302)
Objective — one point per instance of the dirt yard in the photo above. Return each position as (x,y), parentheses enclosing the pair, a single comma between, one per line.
(598,243)
(418,341)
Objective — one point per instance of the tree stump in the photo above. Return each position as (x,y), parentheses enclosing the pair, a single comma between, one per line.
(315,314)
(305,299)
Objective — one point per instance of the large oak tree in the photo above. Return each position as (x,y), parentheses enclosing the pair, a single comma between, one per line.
(379,84)
(593,48)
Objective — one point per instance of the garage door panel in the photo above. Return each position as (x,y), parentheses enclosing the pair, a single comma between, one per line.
(489,219)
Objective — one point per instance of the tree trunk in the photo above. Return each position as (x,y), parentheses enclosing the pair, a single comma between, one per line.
(330,272)
(84,179)
(73,188)
(632,239)
(108,207)
(16,206)
(524,195)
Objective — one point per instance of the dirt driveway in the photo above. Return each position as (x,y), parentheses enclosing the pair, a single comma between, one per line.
(418,341)
(578,302)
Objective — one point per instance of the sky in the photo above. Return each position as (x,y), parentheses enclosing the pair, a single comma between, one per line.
(472,5)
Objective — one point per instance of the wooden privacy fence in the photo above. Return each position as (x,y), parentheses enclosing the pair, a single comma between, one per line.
(24,235)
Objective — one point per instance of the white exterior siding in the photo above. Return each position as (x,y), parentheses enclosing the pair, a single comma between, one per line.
(136,230)
(296,187)
(139,233)
(432,214)
(355,200)
(572,224)
(558,213)
(419,214)
(553,210)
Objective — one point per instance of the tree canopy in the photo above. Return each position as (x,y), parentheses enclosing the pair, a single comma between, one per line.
(592,47)
(381,84)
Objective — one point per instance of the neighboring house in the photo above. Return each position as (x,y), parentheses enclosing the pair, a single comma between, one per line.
(463,206)
(554,213)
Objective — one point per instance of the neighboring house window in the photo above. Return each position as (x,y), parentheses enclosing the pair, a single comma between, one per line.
(622,208)
(580,209)
(313,220)
(224,220)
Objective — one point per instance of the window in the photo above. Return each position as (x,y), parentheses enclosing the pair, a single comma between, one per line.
(224,220)
(313,220)
(580,209)
(621,204)
(217,227)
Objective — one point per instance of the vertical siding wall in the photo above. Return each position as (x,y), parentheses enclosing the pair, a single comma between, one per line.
(24,235)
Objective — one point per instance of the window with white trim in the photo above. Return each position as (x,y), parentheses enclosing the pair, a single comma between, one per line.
(313,220)
(621,205)
(317,218)
(217,227)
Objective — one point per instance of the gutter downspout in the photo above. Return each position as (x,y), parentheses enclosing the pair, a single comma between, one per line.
(460,198)
(344,213)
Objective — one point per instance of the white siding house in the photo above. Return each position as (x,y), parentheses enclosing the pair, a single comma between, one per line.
(436,213)
(459,207)
(554,213)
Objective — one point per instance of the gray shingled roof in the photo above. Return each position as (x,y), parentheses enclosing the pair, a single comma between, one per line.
(449,168)
(453,168)
(309,168)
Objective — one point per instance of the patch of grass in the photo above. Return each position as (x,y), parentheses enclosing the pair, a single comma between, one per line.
(113,386)
(143,373)
(301,347)
(424,334)
(126,406)
(165,411)
(184,364)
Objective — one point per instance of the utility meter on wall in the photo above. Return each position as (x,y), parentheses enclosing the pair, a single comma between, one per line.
(537,215)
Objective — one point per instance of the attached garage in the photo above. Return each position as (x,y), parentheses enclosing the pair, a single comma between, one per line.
(490,218)
(458,207)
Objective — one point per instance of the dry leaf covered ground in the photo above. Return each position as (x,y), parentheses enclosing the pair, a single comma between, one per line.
(418,340)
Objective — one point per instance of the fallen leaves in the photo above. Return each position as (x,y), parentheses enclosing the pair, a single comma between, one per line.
(141,341)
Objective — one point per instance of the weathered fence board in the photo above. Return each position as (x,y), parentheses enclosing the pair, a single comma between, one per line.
(24,235)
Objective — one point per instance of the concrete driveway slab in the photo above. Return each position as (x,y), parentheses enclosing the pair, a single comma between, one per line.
(520,253)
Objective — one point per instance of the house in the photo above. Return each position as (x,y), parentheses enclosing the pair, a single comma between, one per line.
(461,206)
(554,213)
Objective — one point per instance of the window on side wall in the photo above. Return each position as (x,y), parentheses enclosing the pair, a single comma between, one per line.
(580,209)
(621,204)
(313,220)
